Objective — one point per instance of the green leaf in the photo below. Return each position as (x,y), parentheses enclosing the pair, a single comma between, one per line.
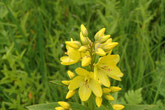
(134,97)
(139,107)
(49,106)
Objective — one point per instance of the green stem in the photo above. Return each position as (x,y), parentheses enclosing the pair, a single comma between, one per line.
(92,59)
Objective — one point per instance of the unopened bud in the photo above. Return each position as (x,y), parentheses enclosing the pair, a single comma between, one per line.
(99,101)
(104,38)
(66,82)
(99,33)
(106,90)
(117,106)
(64,104)
(70,74)
(115,89)
(59,108)
(109,97)
(73,44)
(70,94)
(84,30)
(100,52)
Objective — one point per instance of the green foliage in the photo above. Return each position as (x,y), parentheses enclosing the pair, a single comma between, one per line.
(134,97)
(51,106)
(32,35)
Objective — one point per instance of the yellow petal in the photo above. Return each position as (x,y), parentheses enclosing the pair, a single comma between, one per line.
(99,33)
(100,52)
(86,61)
(82,72)
(84,30)
(73,44)
(82,49)
(110,59)
(64,104)
(70,74)
(115,89)
(98,101)
(117,106)
(103,78)
(59,108)
(95,87)
(73,53)
(84,92)
(66,82)
(75,83)
(115,73)
(109,97)
(65,60)
(70,94)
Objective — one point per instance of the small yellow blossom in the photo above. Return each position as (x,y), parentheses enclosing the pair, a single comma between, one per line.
(117,106)
(73,56)
(86,84)
(106,90)
(105,67)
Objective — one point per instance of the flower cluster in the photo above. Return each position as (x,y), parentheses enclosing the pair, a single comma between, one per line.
(97,79)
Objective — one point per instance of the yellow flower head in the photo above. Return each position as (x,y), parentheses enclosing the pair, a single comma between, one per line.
(105,67)
(86,84)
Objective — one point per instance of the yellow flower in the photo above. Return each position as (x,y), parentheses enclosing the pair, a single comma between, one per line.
(115,89)
(64,106)
(73,56)
(99,34)
(86,58)
(86,84)
(117,106)
(70,74)
(105,67)
(70,94)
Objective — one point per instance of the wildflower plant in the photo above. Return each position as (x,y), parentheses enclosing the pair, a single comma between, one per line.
(94,83)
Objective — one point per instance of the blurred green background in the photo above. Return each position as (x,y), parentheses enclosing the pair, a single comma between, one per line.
(32,37)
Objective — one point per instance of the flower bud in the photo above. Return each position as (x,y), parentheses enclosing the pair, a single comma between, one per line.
(66,82)
(115,89)
(82,49)
(106,90)
(110,46)
(109,97)
(117,106)
(104,38)
(99,33)
(70,94)
(99,101)
(64,104)
(84,30)
(83,39)
(86,60)
(73,44)
(70,74)
(59,108)
(100,52)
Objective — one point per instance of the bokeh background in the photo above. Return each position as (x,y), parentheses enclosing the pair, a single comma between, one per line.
(32,40)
